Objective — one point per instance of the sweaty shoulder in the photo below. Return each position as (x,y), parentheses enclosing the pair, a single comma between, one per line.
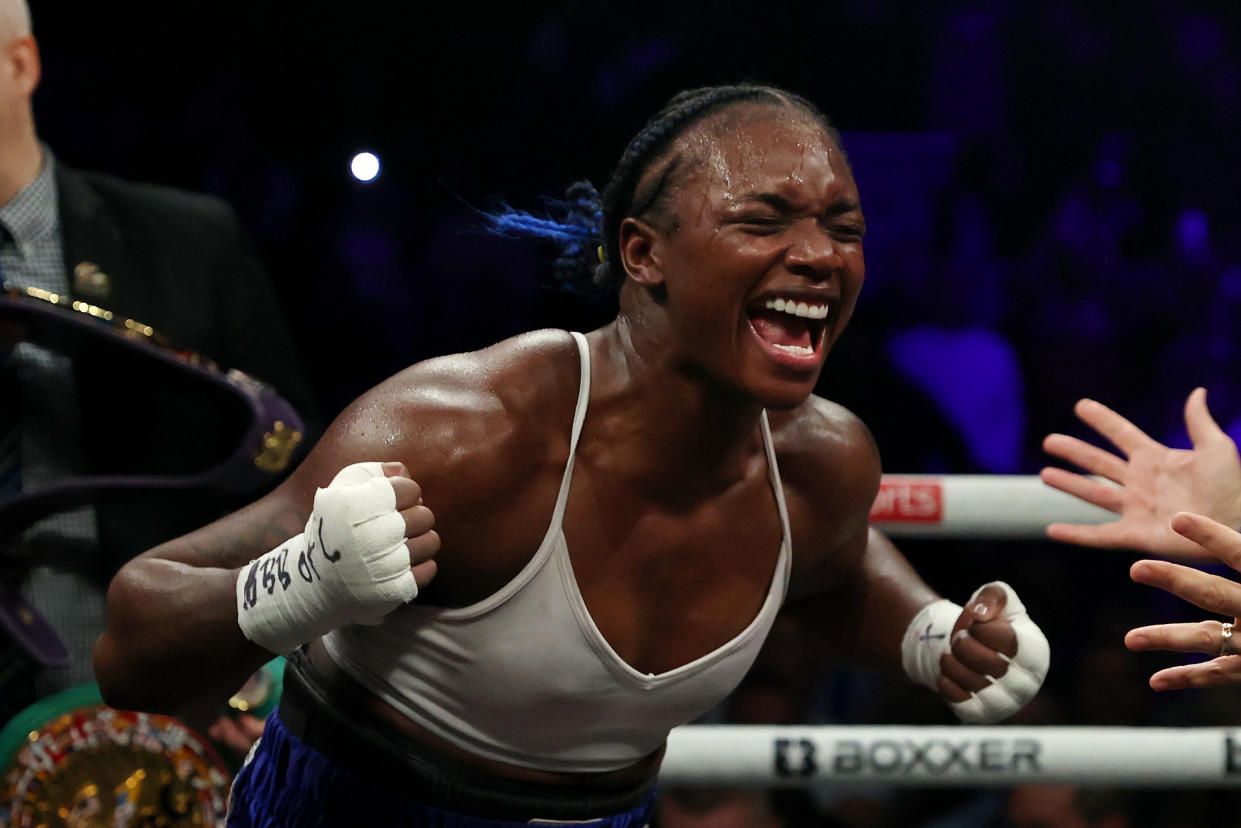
(468,426)
(830,469)
(820,434)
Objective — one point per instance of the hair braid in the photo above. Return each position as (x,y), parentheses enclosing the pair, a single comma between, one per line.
(591,223)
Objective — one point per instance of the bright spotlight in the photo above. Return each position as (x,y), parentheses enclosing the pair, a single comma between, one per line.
(364,166)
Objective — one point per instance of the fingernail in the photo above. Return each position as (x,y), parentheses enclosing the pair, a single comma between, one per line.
(981,610)
(959,634)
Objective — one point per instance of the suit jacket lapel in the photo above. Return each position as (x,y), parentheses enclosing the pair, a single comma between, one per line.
(91,236)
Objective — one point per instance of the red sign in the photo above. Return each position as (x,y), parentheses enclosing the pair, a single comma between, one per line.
(908,501)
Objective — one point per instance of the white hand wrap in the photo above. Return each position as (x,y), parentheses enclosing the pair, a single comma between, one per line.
(350,566)
(927,638)
(1004,696)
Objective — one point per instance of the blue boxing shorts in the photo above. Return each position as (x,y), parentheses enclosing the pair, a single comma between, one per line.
(318,765)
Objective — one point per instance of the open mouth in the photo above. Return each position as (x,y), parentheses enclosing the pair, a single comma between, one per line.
(792,331)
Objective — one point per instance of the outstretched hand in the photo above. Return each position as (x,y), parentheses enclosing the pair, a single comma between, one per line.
(1153,482)
(1213,593)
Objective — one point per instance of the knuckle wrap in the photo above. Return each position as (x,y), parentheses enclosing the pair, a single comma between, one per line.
(928,637)
(350,566)
(1007,694)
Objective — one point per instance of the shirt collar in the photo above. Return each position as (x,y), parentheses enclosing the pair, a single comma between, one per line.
(31,215)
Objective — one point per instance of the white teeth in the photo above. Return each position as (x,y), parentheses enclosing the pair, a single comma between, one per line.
(795,350)
(801,309)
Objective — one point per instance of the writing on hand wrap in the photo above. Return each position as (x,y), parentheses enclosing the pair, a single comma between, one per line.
(274,568)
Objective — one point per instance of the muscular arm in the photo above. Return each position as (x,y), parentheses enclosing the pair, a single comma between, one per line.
(854,593)
(172,640)
(863,619)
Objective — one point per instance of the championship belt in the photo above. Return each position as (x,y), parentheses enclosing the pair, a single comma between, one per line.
(70,760)
(263,450)
(261,430)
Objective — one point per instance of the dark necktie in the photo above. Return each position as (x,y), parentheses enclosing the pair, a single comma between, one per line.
(10,422)
(10,432)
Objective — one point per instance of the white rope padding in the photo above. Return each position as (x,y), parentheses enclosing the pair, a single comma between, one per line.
(766,756)
(997,506)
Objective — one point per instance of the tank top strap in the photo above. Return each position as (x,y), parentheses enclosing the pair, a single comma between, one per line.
(583,391)
(777,487)
(579,417)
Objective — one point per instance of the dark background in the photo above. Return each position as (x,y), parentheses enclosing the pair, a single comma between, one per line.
(1050,189)
(1057,176)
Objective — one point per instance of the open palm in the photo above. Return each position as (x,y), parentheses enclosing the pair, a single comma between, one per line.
(1150,483)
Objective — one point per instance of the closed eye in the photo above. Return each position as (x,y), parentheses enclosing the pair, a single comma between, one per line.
(759,225)
(848,232)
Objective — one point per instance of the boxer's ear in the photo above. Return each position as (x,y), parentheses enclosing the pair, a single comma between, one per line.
(639,252)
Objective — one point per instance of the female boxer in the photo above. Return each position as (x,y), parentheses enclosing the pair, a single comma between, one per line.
(621,514)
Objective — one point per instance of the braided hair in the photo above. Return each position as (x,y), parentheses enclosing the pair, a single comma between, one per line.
(588,234)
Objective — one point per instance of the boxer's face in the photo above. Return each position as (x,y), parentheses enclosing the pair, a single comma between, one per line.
(764,263)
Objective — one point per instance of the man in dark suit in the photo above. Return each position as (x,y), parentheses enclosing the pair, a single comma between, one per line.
(175,261)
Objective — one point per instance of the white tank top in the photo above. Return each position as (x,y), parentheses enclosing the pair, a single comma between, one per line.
(525,677)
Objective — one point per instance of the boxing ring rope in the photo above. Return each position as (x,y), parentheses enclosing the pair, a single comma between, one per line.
(976,506)
(946,756)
